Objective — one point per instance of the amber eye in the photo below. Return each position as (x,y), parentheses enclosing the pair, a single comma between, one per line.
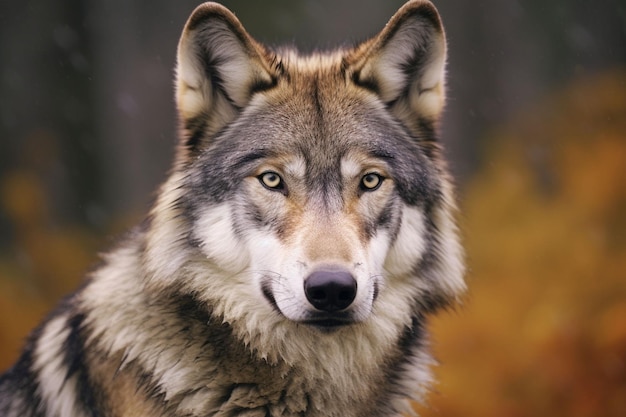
(271,181)
(371,181)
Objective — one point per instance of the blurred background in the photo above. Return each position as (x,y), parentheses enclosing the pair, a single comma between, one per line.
(535,130)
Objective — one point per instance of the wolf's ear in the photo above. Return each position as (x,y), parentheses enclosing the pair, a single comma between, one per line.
(219,67)
(405,63)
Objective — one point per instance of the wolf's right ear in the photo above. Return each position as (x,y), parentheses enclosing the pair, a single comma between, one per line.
(219,67)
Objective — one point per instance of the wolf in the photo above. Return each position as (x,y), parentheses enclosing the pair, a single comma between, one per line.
(291,259)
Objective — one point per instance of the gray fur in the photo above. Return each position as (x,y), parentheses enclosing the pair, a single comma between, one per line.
(203,309)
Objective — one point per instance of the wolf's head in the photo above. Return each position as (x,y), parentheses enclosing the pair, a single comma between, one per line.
(309,189)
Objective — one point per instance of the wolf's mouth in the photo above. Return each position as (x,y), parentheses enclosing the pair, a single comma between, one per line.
(328,324)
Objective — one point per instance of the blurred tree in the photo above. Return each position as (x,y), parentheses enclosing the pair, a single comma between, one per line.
(46,100)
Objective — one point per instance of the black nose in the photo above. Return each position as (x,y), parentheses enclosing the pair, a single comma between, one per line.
(329,290)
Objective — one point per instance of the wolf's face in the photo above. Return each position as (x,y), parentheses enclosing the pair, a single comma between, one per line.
(314,185)
(318,177)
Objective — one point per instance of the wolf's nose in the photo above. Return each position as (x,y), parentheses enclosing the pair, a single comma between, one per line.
(329,290)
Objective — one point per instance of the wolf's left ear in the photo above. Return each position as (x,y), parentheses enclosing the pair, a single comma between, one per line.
(405,63)
(219,67)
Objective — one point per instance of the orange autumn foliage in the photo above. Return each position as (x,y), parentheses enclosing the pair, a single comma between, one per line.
(48,262)
(543,331)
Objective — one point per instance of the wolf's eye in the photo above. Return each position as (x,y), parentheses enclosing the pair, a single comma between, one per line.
(371,181)
(271,180)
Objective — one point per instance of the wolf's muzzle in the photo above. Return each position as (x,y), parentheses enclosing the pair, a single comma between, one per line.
(330,290)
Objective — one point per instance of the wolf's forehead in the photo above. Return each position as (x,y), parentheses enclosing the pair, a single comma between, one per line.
(347,164)
(337,128)
(323,111)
